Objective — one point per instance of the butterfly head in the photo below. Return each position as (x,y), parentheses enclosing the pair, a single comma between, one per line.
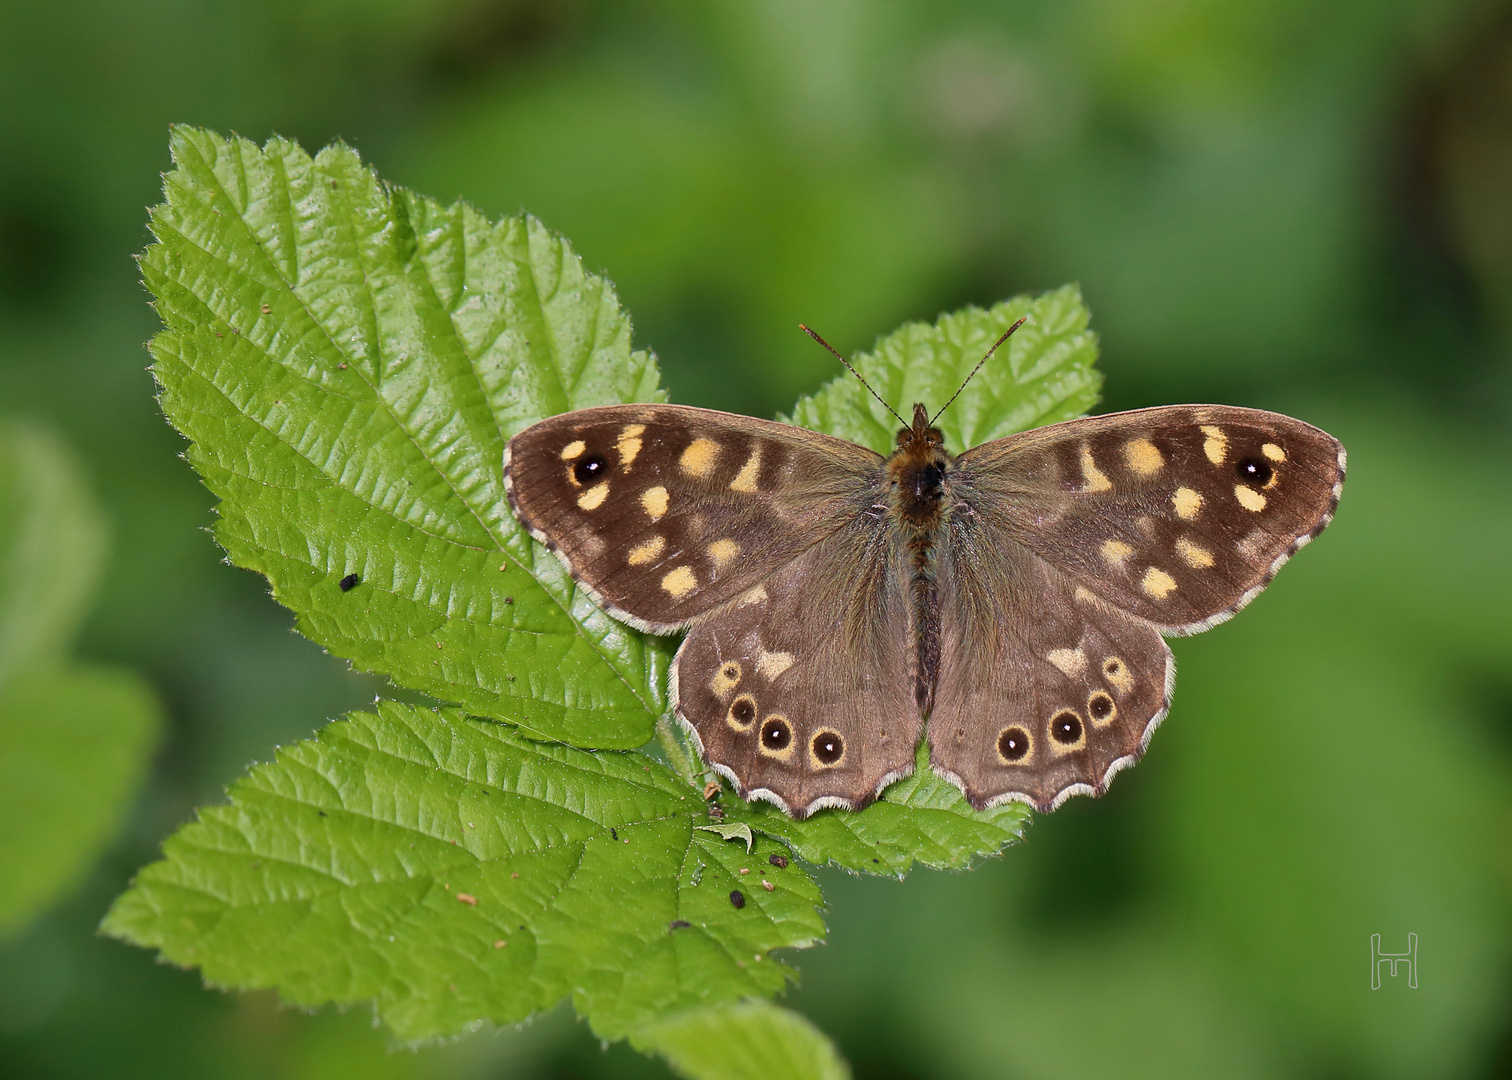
(917,470)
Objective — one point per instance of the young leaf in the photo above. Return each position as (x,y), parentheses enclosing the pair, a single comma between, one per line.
(455,871)
(74,743)
(348,360)
(1043,374)
(752,1041)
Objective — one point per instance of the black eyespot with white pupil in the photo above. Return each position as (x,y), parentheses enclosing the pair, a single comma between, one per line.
(776,734)
(590,468)
(829,747)
(743,711)
(1065,727)
(1255,471)
(1100,705)
(1013,744)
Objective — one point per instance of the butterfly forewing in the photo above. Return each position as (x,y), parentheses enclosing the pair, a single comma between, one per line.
(800,690)
(665,512)
(1178,515)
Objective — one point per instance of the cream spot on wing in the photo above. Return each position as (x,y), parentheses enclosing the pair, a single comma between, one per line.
(1196,556)
(645,552)
(1249,498)
(654,501)
(680,582)
(629,443)
(573,449)
(594,497)
(745,480)
(1070,661)
(773,664)
(1117,673)
(1253,543)
(752,596)
(1187,502)
(726,678)
(1115,552)
(1215,446)
(698,459)
(722,552)
(1091,474)
(1157,583)
(1274,452)
(1143,457)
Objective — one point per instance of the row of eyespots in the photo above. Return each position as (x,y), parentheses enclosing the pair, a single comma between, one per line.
(775,737)
(1067,732)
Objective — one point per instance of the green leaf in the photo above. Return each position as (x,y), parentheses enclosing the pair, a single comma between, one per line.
(74,749)
(390,856)
(348,359)
(738,831)
(922,819)
(1042,375)
(52,548)
(752,1041)
(75,743)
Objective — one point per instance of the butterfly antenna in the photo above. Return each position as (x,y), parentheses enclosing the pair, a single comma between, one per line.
(1006,334)
(857,374)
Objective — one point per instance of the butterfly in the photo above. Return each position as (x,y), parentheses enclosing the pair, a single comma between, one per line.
(1010,603)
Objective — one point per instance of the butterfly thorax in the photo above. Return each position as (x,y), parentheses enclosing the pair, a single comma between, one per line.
(917,471)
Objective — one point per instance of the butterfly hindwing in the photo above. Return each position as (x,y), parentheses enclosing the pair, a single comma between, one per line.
(1178,515)
(667,511)
(1044,690)
(800,690)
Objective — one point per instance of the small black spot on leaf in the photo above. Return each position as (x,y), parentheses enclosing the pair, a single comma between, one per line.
(779,861)
(613,833)
(737,898)
(349,582)
(678,924)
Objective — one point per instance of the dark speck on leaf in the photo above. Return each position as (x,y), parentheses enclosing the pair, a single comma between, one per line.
(613,833)
(679,924)
(349,582)
(876,860)
(737,898)
(322,813)
(779,861)
(509,599)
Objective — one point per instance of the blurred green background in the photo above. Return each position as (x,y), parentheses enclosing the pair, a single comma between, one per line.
(1275,203)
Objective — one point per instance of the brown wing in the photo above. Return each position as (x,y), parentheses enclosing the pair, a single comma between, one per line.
(665,511)
(1179,515)
(800,690)
(1044,690)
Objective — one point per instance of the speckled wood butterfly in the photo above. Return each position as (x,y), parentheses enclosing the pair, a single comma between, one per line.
(1010,601)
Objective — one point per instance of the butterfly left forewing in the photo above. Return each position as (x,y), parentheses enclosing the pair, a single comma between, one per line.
(667,511)
(1179,515)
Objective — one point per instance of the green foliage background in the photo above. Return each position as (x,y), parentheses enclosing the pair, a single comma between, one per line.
(1293,206)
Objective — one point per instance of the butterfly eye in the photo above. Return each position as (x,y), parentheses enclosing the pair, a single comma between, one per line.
(1065,727)
(587,469)
(1255,471)
(1013,744)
